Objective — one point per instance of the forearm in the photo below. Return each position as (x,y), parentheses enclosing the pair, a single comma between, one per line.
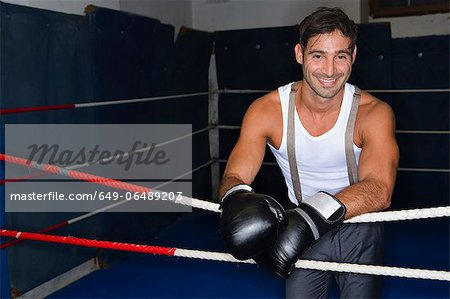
(367,196)
(228,181)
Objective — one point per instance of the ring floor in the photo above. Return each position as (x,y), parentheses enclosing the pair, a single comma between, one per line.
(413,244)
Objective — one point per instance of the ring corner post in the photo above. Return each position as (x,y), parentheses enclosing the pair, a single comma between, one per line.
(213,121)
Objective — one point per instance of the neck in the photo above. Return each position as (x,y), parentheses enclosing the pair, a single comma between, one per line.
(310,101)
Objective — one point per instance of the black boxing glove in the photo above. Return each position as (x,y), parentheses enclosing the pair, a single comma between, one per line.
(313,218)
(249,222)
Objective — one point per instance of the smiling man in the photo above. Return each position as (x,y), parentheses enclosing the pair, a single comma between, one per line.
(336,148)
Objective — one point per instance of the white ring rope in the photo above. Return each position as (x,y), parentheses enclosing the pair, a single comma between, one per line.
(106,208)
(401,215)
(205,205)
(373,270)
(399,169)
(423,169)
(421,132)
(141,100)
(219,256)
(422,90)
(411,214)
(231,127)
(227,91)
(327,266)
(215,91)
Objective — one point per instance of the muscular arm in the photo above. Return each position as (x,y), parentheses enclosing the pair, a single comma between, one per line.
(247,156)
(377,165)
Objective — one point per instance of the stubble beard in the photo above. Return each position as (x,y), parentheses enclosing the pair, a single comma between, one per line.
(324,92)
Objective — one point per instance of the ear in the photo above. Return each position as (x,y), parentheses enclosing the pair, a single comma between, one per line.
(298,53)
(354,55)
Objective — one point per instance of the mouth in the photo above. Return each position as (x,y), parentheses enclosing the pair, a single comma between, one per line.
(327,82)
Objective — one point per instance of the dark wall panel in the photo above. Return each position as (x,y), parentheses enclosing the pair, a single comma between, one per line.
(373,66)
(256,58)
(124,51)
(189,64)
(45,60)
(50,58)
(422,63)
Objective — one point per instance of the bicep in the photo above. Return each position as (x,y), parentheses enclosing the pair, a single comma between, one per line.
(247,155)
(380,154)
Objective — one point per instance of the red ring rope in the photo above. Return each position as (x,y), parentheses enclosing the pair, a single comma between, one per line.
(97,104)
(77,174)
(37,108)
(22,178)
(45,230)
(74,174)
(89,242)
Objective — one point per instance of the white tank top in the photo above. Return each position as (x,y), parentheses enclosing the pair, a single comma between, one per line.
(321,160)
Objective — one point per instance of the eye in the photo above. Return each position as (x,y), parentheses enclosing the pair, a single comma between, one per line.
(342,57)
(317,56)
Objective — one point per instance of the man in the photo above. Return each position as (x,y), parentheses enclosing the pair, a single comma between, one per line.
(323,186)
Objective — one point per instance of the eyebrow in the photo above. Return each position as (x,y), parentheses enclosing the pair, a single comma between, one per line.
(345,51)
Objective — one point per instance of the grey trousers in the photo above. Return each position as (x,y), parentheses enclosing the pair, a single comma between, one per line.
(350,243)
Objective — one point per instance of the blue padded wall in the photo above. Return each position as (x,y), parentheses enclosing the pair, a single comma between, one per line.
(148,62)
(45,60)
(189,63)
(137,57)
(253,59)
(422,63)
(51,58)
(256,58)
(125,48)
(373,57)
(4,271)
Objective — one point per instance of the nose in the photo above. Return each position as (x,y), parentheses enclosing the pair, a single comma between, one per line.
(328,67)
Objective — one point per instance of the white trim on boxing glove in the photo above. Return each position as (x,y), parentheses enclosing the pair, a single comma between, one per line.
(324,203)
(233,189)
(318,210)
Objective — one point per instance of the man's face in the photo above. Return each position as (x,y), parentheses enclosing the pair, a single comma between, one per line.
(326,63)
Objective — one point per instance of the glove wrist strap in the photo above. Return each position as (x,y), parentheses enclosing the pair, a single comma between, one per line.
(240,187)
(322,212)
(324,203)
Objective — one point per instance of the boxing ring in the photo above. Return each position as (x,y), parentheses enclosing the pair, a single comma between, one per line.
(165,256)
(49,234)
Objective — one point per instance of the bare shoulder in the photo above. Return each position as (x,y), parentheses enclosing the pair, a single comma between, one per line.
(372,109)
(265,105)
(264,118)
(375,117)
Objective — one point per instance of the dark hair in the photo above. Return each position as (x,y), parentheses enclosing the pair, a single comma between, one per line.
(327,20)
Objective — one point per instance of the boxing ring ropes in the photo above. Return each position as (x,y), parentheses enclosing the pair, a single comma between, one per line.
(212,128)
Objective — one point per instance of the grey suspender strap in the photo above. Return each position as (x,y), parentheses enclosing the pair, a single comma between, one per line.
(349,152)
(291,143)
